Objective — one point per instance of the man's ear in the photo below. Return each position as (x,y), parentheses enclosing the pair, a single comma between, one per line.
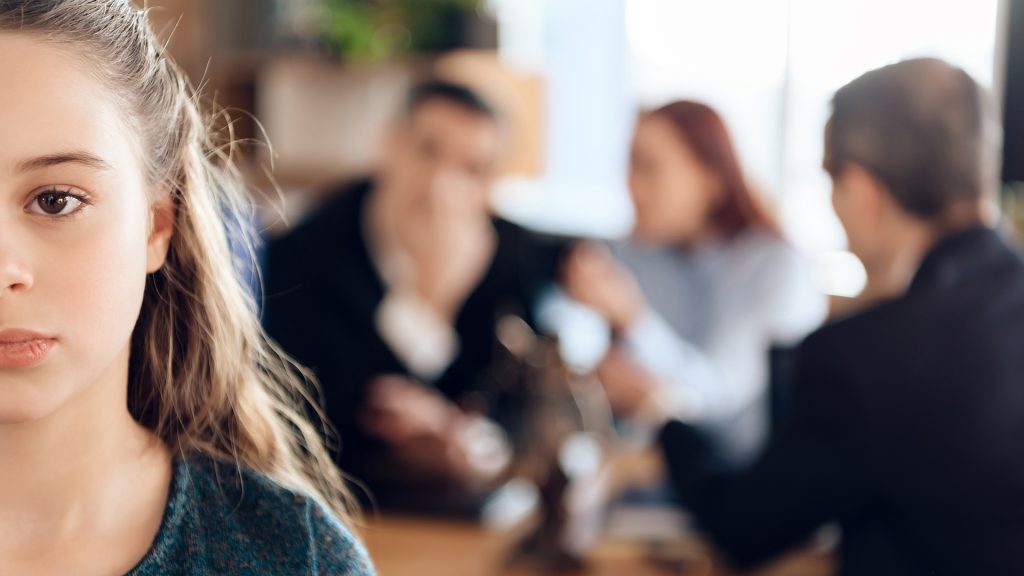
(162,215)
(868,194)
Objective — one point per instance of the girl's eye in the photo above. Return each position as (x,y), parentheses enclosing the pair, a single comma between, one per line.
(56,203)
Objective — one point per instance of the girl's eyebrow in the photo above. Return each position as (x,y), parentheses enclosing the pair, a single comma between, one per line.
(74,157)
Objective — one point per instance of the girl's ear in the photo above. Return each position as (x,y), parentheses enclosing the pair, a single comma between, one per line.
(161,229)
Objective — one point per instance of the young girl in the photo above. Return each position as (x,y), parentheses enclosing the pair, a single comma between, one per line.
(146,424)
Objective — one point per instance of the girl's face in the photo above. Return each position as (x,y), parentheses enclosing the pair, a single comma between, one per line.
(673,192)
(78,233)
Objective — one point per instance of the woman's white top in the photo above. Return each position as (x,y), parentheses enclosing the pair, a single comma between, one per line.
(715,313)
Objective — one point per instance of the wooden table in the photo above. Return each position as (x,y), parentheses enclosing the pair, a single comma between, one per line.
(404,546)
(410,546)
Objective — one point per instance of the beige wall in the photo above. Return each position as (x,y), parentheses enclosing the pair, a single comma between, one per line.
(324,117)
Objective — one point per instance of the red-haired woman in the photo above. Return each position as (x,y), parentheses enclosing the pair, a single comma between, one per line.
(703,288)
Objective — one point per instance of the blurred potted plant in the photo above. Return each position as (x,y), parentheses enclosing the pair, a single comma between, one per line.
(375,30)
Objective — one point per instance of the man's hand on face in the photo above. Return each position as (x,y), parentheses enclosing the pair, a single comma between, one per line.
(450,242)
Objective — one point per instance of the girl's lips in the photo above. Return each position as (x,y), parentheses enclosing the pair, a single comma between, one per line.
(22,348)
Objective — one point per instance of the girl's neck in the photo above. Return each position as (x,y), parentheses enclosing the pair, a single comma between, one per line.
(87,468)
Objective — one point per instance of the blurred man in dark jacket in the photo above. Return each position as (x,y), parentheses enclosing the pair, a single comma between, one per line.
(391,294)
(907,419)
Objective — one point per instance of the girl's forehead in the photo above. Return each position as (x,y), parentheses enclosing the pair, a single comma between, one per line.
(51,103)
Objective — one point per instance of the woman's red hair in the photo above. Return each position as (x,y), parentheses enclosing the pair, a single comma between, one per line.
(703,130)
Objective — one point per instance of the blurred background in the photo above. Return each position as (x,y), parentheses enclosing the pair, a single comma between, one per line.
(325,76)
(311,85)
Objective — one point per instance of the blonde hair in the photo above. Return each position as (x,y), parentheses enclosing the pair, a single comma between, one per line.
(203,375)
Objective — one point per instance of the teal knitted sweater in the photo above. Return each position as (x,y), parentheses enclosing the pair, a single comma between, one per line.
(222,520)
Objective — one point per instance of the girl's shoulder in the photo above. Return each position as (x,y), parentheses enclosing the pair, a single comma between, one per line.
(224,519)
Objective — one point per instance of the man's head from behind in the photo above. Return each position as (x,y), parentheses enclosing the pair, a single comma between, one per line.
(910,145)
(444,151)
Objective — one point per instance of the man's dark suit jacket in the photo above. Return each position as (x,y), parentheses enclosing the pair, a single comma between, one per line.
(906,428)
(321,299)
